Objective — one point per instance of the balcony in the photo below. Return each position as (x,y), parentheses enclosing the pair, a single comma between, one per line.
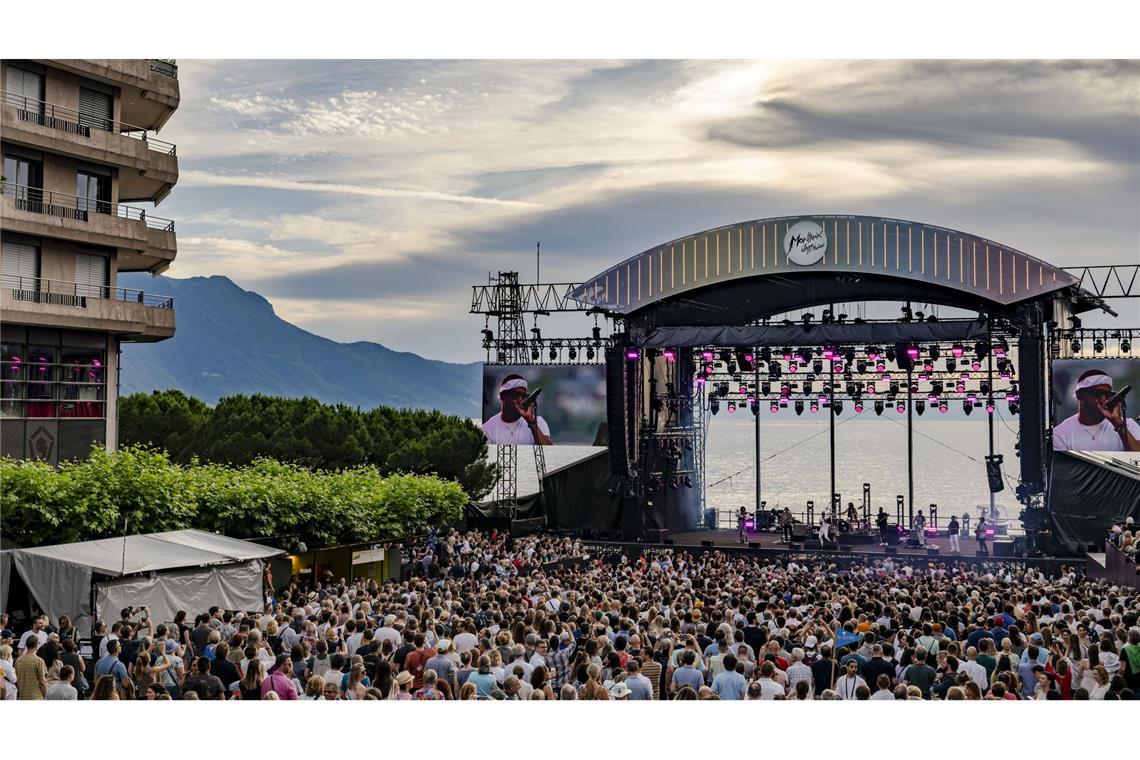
(144,242)
(148,166)
(149,87)
(130,314)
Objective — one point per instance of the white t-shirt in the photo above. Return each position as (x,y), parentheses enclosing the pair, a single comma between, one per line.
(1071,435)
(515,433)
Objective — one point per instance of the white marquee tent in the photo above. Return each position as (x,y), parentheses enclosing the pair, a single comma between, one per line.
(188,570)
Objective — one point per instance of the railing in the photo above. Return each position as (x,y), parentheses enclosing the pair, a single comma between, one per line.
(165,66)
(79,123)
(40,201)
(39,290)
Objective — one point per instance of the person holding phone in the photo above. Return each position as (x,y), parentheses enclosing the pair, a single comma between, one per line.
(518,423)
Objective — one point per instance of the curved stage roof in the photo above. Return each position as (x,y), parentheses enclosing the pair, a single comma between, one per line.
(838,258)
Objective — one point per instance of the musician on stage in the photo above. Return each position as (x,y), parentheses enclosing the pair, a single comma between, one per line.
(881,522)
(920,529)
(786,526)
(824,526)
(852,516)
(740,520)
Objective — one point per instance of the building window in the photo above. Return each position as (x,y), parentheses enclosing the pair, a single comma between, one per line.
(25,90)
(94,192)
(24,180)
(21,267)
(41,382)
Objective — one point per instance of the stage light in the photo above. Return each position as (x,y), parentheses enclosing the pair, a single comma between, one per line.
(967,407)
(792,367)
(787,354)
(861,366)
(754,406)
(1075,346)
(919,406)
(670,355)
(914,387)
(743,389)
(488,336)
(700,380)
(1126,346)
(806,319)
(828,352)
(799,406)
(837,407)
(814,407)
(921,377)
(890,355)
(553,353)
(674,483)
(975,365)
(714,405)
(774,407)
(1098,346)
(879,408)
(943,407)
(589,352)
(872,353)
(849,355)
(881,367)
(858,406)
(765,388)
(901,407)
(957,350)
(960,388)
(935,351)
(951,365)
(766,354)
(984,387)
(534,354)
(837,367)
(731,407)
(990,406)
(597,333)
(1013,407)
(572,353)
(928,367)
(850,388)
(893,389)
(807,387)
(817,367)
(870,387)
(1001,348)
(632,354)
(912,352)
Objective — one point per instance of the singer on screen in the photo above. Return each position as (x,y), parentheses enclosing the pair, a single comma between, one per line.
(1100,423)
(518,424)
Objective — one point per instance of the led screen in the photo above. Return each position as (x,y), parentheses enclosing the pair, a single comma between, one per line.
(1083,391)
(569,408)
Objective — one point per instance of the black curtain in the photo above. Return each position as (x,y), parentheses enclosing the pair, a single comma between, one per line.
(815,334)
(578,496)
(1086,499)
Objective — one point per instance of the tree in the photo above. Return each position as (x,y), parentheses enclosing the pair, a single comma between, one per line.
(169,420)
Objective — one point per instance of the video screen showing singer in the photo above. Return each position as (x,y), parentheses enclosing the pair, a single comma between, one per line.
(1097,426)
(518,423)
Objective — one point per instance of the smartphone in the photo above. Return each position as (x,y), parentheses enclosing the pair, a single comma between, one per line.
(530,400)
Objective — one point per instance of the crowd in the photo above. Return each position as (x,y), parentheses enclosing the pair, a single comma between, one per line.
(1123,536)
(486,617)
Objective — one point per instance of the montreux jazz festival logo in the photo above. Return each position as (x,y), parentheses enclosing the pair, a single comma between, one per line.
(805,243)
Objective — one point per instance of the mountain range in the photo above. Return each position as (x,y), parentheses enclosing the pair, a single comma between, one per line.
(230,341)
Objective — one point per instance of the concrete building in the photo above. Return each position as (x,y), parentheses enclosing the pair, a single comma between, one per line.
(82,172)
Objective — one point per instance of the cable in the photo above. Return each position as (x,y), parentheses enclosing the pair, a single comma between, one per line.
(779,453)
(956,451)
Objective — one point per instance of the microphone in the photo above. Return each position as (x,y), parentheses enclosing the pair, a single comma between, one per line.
(529,401)
(1117,397)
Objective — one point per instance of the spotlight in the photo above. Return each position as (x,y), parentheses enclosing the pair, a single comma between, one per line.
(919,406)
(817,367)
(707,356)
(553,353)
(589,352)
(837,407)
(870,387)
(890,355)
(1126,346)
(1098,346)
(597,332)
(989,406)
(632,354)
(714,405)
(858,406)
(967,407)
(688,481)
(799,408)
(912,352)
(872,353)
(881,367)
(1013,407)
(878,408)
(943,407)
(774,407)
(957,350)
(861,366)
(935,351)
(572,353)
(901,407)
(488,336)
(814,407)
(731,407)
(765,388)
(670,355)
(792,367)
(951,365)
(754,406)
(534,354)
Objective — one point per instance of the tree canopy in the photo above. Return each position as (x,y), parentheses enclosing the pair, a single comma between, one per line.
(311,434)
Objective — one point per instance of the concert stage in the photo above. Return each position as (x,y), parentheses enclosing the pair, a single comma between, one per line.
(770,541)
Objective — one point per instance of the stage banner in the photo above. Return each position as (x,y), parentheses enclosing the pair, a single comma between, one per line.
(1095,403)
(547,405)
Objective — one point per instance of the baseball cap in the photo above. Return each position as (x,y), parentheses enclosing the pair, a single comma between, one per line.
(811,642)
(444,645)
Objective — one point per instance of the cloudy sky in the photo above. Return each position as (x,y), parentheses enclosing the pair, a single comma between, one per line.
(364,198)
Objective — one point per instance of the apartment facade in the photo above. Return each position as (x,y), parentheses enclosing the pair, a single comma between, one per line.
(83,171)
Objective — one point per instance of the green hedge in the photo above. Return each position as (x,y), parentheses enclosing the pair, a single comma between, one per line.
(92,499)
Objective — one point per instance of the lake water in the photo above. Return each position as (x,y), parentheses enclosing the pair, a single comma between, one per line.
(949,467)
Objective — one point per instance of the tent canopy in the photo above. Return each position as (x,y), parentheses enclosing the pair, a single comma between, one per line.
(156,551)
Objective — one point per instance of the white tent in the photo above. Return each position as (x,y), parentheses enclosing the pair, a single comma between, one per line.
(188,570)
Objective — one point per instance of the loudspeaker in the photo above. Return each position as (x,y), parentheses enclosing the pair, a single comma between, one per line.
(1030,397)
(932,551)
(912,543)
(891,550)
(993,475)
(656,535)
(615,411)
(1003,549)
(633,518)
(707,544)
(813,543)
(795,546)
(800,531)
(892,535)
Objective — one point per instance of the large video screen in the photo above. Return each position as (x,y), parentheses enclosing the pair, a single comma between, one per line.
(545,405)
(1089,414)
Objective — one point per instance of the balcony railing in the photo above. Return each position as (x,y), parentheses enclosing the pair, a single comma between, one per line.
(79,123)
(39,201)
(39,290)
(165,66)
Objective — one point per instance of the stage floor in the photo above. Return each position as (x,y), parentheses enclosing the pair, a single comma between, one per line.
(730,538)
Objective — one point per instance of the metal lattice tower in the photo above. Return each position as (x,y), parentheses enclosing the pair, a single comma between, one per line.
(513,349)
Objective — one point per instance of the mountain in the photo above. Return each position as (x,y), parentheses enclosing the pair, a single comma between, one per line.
(229,341)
